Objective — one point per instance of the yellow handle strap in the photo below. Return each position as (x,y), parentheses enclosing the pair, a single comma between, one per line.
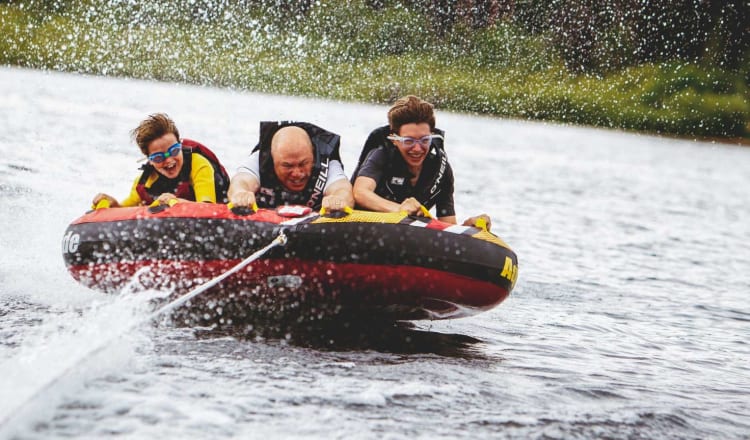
(254,207)
(170,203)
(346,209)
(102,204)
(481,223)
(425,211)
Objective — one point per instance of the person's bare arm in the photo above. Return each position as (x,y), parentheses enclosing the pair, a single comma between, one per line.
(364,194)
(242,189)
(338,196)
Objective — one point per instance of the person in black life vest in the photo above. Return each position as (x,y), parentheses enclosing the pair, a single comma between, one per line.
(403,166)
(294,163)
(176,169)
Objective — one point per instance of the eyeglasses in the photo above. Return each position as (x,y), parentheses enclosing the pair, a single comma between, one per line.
(410,142)
(173,150)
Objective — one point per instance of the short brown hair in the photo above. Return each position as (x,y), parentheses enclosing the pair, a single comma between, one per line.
(410,110)
(153,127)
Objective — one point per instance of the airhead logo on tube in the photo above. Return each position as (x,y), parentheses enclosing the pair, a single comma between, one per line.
(70,242)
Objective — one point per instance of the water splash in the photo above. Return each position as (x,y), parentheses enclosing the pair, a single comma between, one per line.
(61,343)
(65,351)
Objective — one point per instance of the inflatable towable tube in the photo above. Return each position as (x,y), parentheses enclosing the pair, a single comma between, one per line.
(402,266)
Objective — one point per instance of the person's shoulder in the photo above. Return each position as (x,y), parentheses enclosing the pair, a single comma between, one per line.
(449,171)
(377,154)
(376,162)
(448,177)
(199,160)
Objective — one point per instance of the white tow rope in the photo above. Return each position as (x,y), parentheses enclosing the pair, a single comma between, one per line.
(280,240)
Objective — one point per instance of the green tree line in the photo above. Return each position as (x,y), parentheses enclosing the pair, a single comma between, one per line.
(603,35)
(672,66)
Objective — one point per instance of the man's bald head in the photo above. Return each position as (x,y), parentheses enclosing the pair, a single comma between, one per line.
(293,159)
(290,138)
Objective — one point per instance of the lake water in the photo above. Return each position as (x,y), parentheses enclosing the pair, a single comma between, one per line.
(630,318)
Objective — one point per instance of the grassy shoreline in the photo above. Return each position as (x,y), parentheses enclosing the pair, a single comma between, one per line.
(498,71)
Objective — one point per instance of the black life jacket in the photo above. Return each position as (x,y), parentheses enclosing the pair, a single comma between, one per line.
(272,193)
(180,186)
(396,170)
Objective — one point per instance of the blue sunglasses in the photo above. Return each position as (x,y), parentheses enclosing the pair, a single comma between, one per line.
(173,150)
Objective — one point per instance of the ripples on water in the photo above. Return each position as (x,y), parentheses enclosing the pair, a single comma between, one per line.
(629,320)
